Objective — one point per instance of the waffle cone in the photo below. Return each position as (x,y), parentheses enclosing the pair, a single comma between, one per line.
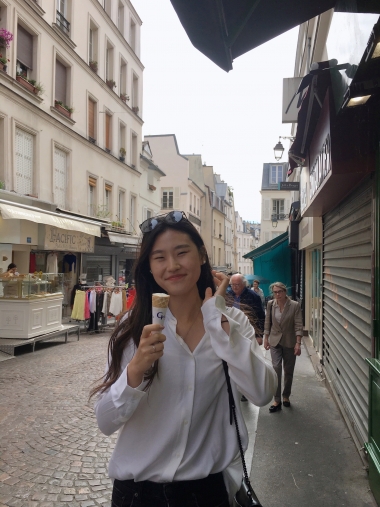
(160,300)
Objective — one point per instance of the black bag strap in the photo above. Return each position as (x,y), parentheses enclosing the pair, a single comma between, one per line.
(233,417)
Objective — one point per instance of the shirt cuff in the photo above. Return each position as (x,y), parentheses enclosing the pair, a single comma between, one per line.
(122,393)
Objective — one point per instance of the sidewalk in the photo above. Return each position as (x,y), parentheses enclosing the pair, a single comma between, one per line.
(304,455)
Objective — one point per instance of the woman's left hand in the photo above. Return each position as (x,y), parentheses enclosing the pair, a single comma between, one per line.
(221,281)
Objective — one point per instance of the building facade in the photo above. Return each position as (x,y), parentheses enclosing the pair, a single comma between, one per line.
(275,203)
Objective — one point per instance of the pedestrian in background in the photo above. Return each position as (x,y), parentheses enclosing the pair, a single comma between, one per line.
(259,291)
(176,444)
(282,336)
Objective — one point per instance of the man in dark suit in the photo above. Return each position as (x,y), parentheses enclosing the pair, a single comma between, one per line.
(249,301)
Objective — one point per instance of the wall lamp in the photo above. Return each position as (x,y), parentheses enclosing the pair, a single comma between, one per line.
(279,149)
(274,221)
(373,46)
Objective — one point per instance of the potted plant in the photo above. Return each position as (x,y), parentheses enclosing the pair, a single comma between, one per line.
(93,65)
(135,109)
(6,38)
(38,87)
(124,97)
(122,154)
(63,108)
(3,63)
(25,82)
(111,83)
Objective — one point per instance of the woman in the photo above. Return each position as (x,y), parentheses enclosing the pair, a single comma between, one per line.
(283,332)
(175,437)
(11,270)
(259,291)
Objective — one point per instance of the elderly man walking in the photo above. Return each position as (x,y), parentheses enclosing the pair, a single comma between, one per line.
(248,301)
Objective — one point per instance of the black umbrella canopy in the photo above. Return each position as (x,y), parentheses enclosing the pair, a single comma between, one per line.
(225,29)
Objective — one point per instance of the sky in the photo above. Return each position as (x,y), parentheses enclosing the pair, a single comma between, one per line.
(232,119)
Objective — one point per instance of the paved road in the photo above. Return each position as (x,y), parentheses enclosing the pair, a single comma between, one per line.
(51,452)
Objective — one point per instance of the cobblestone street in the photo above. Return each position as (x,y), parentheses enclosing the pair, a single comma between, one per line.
(51,451)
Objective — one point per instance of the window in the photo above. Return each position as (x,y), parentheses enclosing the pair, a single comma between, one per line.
(120,207)
(278,208)
(123,80)
(108,7)
(92,120)
(108,199)
(219,256)
(108,133)
(109,63)
(120,18)
(62,16)
(276,174)
(60,82)
(191,199)
(60,175)
(92,197)
(132,35)
(195,203)
(122,141)
(135,92)
(220,230)
(24,162)
(167,198)
(214,227)
(132,213)
(134,150)
(93,45)
(24,52)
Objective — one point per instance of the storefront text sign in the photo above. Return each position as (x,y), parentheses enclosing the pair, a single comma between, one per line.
(60,239)
(289,185)
(321,167)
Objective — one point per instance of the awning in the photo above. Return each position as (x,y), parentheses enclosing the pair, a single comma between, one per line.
(125,239)
(273,261)
(39,216)
(225,29)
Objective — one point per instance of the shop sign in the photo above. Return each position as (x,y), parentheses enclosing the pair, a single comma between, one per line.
(321,167)
(289,185)
(61,239)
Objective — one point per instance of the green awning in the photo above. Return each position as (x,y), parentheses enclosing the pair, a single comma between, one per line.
(273,261)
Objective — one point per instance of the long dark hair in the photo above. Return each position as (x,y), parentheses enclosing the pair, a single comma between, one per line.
(141,313)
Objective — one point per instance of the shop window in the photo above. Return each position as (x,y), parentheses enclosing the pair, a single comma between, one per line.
(24,162)
(60,177)
(92,196)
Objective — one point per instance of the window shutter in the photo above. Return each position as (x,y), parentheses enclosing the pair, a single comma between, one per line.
(60,160)
(92,181)
(108,132)
(60,81)
(24,47)
(24,162)
(176,204)
(108,187)
(91,118)
(266,209)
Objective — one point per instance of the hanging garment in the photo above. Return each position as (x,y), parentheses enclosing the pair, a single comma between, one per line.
(87,306)
(95,316)
(79,303)
(131,297)
(92,301)
(116,305)
(32,263)
(105,303)
(69,262)
(52,263)
(124,298)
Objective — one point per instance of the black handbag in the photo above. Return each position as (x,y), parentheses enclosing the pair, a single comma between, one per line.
(245,496)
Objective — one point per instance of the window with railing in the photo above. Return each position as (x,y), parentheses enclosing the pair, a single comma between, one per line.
(167,199)
(278,209)
(62,16)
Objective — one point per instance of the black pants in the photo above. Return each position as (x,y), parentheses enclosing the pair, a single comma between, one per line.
(208,492)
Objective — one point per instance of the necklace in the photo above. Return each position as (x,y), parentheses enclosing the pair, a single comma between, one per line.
(191,325)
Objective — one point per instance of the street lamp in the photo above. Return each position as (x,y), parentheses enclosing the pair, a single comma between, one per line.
(274,221)
(279,149)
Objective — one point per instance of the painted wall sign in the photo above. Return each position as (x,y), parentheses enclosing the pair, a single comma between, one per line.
(61,239)
(289,185)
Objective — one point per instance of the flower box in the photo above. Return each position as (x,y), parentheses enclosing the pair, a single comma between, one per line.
(26,84)
(152,187)
(111,83)
(3,67)
(62,110)
(135,109)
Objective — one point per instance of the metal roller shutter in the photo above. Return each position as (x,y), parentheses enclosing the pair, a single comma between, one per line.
(347,271)
(98,265)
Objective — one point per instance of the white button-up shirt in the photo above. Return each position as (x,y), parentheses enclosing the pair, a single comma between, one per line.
(180,429)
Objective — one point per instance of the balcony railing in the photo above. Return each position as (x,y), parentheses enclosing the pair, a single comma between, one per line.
(63,24)
(279,216)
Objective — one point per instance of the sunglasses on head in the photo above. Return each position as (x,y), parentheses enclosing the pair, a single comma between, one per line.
(174,217)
